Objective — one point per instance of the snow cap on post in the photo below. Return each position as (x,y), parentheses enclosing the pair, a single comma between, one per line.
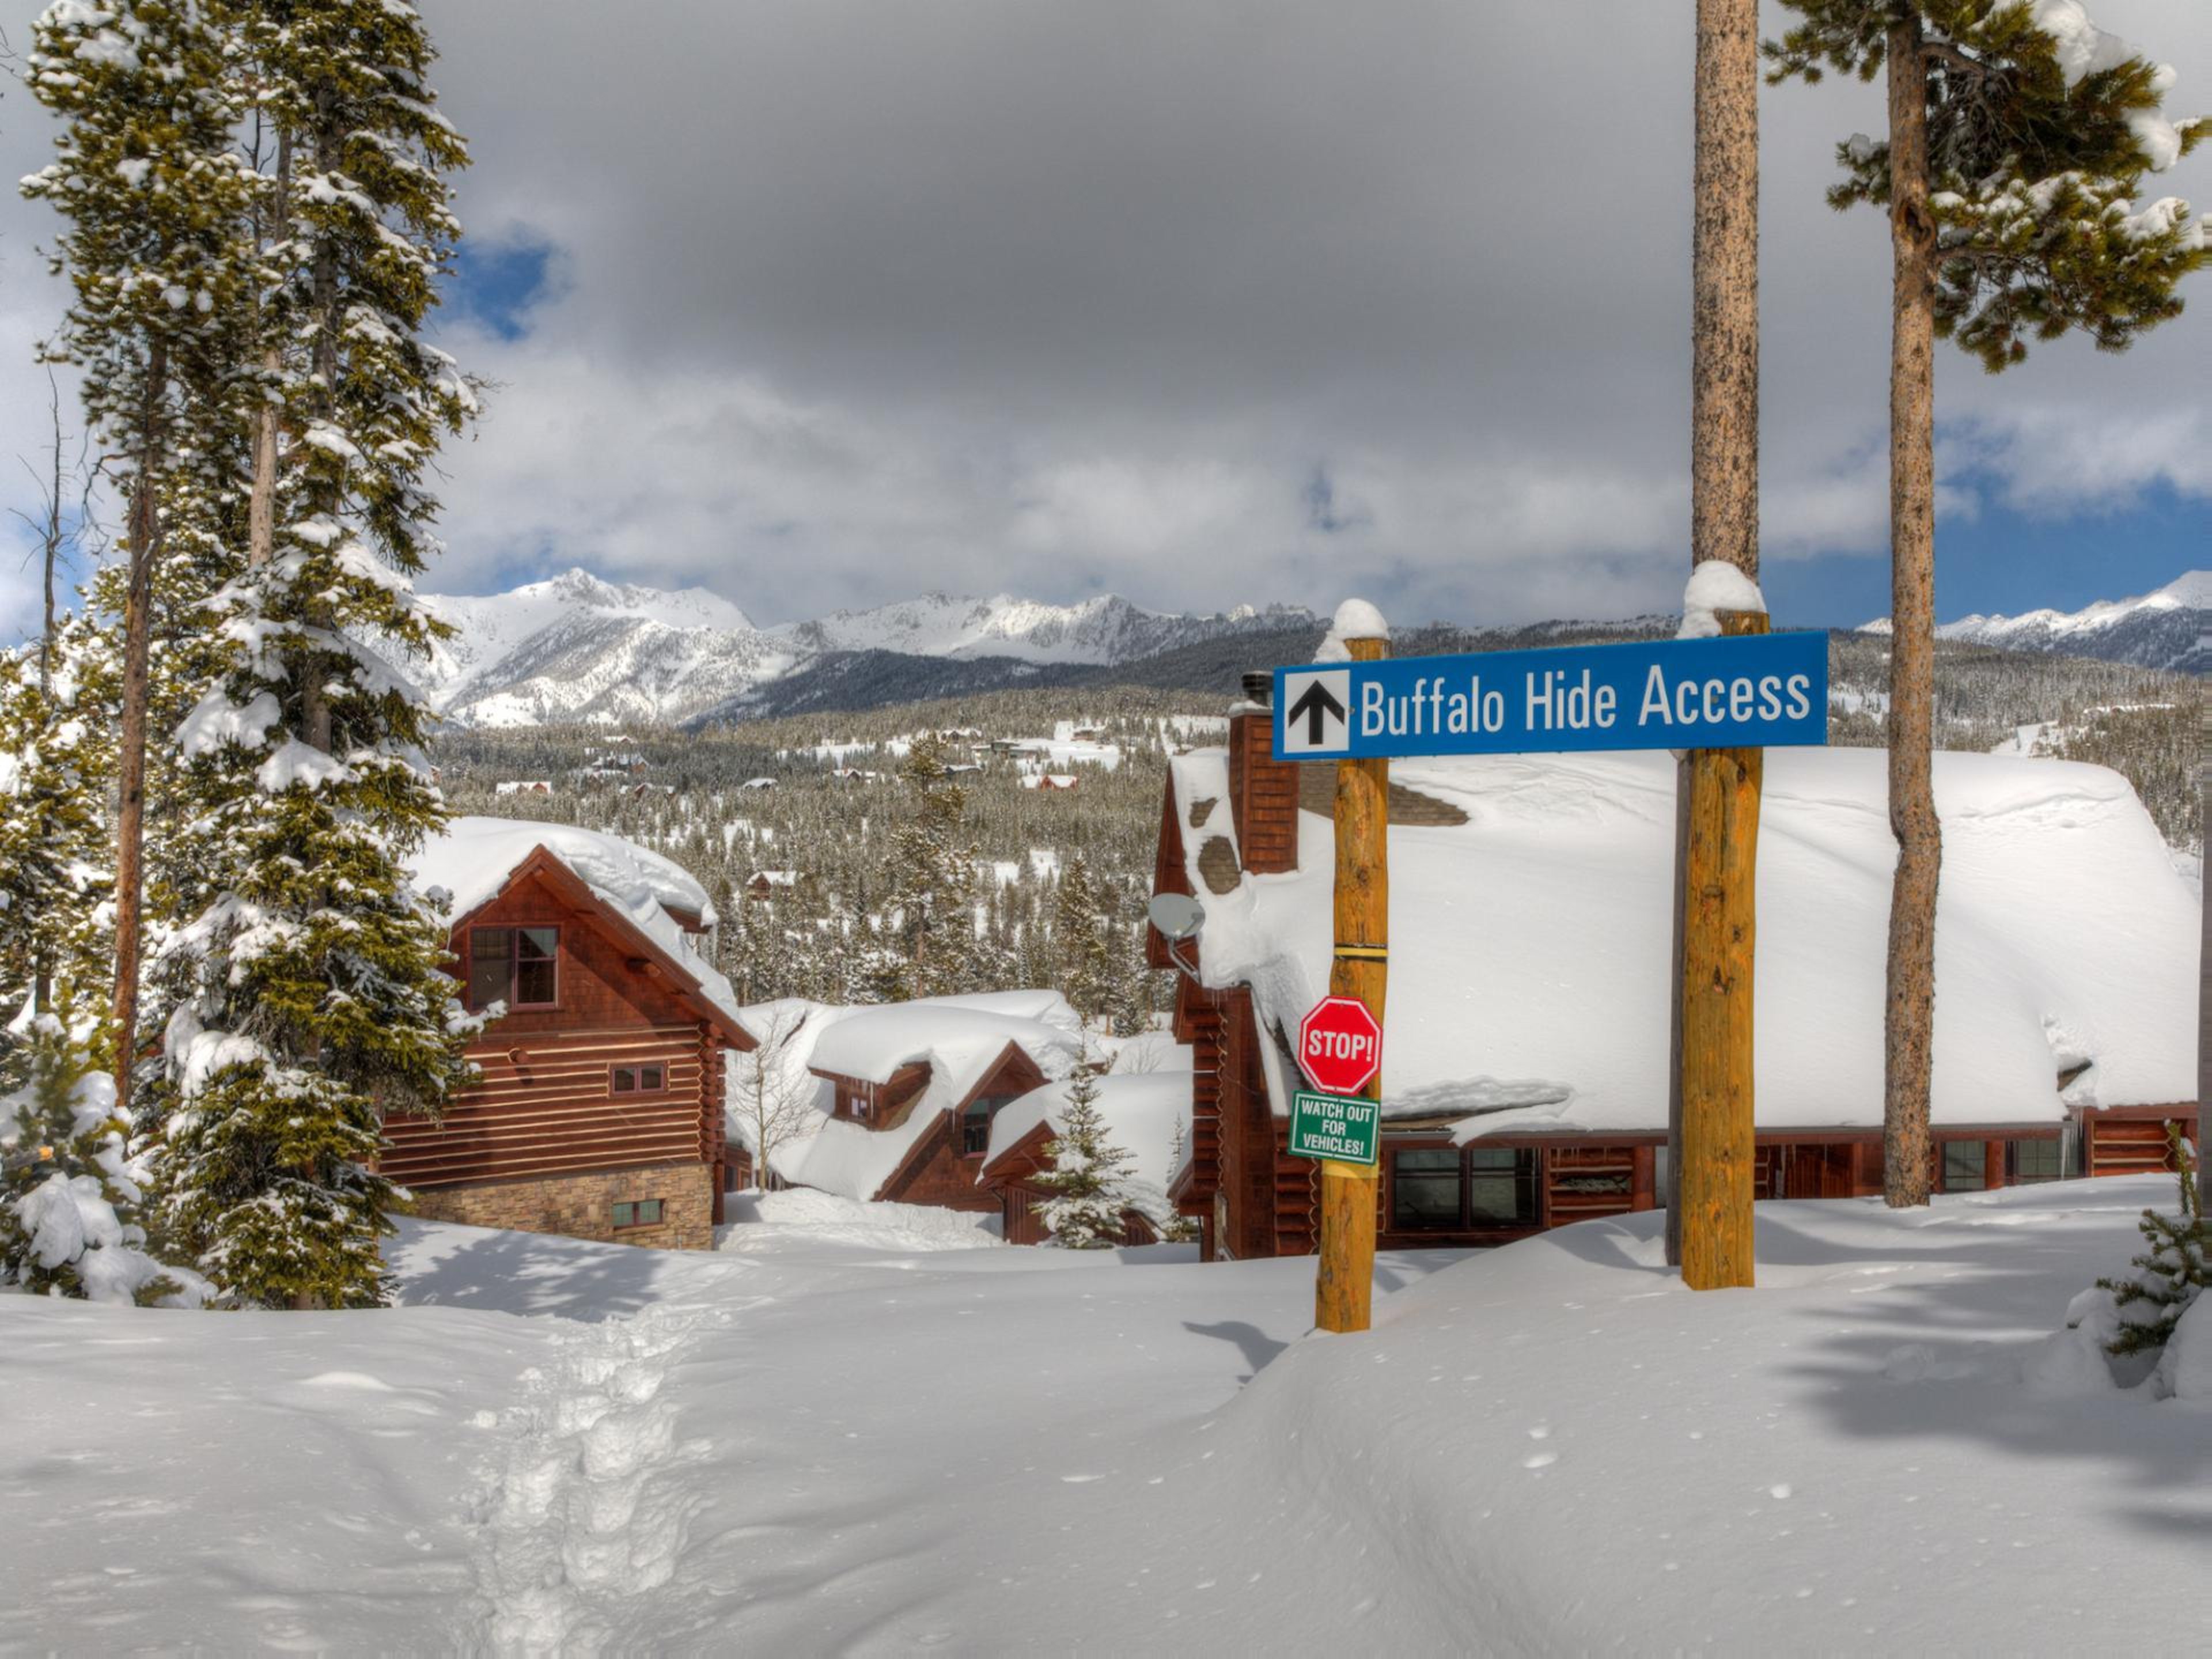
(1355,619)
(1714,587)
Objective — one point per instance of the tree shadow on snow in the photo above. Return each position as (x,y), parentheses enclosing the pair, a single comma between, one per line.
(533,1273)
(1936,1353)
(1256,1345)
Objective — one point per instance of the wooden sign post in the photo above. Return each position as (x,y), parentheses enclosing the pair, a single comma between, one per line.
(1713,1180)
(1344,1292)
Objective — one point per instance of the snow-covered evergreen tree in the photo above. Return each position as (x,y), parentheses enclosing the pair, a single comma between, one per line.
(1090,1178)
(1080,939)
(70,1196)
(931,904)
(310,995)
(151,196)
(55,851)
(2172,1272)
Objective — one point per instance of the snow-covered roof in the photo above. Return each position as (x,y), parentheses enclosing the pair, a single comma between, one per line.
(959,1037)
(1141,1111)
(1532,947)
(472,860)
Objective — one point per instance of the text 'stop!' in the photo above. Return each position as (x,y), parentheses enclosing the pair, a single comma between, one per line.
(1757,691)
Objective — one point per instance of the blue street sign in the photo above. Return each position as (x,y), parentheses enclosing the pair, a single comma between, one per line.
(1755,691)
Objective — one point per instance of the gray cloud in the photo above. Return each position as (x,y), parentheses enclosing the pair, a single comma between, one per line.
(853,299)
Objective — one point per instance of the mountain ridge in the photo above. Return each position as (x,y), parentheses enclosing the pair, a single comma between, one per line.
(576,648)
(2163,628)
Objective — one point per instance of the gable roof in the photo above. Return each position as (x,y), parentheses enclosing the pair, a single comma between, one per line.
(1532,953)
(638,897)
(963,1039)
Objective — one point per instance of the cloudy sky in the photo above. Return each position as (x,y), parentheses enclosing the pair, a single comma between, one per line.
(820,303)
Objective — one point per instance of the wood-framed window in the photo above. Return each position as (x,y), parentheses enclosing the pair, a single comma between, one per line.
(638,1212)
(976,1123)
(1462,1189)
(1965,1166)
(2029,1161)
(644,1077)
(518,966)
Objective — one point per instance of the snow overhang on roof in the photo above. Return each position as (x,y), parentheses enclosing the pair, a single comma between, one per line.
(1531,955)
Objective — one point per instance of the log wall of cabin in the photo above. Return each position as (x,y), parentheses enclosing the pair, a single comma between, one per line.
(935,1173)
(543,1102)
(2120,1140)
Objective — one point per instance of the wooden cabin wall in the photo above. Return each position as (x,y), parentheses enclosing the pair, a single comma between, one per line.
(543,1105)
(935,1173)
(2131,1139)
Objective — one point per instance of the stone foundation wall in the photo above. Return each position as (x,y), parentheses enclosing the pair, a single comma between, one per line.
(582,1205)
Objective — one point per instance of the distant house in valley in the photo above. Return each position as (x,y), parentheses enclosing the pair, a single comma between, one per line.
(1145,1113)
(906,1092)
(767,883)
(1062,781)
(599,1109)
(757,783)
(523,787)
(1525,1057)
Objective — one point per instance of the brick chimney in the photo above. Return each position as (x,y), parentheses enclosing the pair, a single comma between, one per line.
(1263,792)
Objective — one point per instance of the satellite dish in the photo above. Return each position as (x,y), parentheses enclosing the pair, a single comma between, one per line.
(1177,915)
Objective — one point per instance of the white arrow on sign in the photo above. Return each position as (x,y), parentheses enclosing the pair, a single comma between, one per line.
(1317,712)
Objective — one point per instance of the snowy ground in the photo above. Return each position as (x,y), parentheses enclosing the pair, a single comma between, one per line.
(830,1436)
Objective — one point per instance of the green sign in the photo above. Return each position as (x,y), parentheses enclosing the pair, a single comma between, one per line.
(1332,1127)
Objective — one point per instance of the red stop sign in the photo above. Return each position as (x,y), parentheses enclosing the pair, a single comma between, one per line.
(1339,1045)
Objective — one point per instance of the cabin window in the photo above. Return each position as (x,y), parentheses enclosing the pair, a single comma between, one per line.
(1965,1167)
(518,966)
(1424,1189)
(643,1212)
(2027,1160)
(647,1078)
(976,1123)
(1445,1190)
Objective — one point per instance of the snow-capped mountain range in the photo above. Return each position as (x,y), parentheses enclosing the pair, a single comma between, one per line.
(575,647)
(578,648)
(2165,629)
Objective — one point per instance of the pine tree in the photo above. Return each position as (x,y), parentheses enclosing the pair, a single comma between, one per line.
(2172,1271)
(2019,137)
(1089,1180)
(55,870)
(931,904)
(1080,941)
(151,197)
(310,996)
(69,1196)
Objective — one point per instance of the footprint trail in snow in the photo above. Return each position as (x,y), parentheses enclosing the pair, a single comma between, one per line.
(581,1519)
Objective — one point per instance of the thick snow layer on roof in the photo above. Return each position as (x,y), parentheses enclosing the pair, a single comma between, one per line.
(470,862)
(1531,950)
(959,1040)
(958,1037)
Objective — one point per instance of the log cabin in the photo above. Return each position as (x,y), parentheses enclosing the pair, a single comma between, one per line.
(597,1107)
(1526,1048)
(1145,1113)
(907,1092)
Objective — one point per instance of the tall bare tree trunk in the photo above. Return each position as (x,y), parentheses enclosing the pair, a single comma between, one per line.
(1723,391)
(261,505)
(1907,1157)
(51,545)
(137,641)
